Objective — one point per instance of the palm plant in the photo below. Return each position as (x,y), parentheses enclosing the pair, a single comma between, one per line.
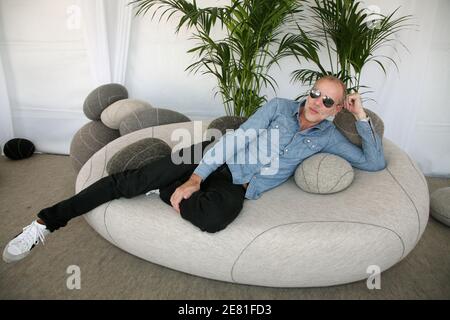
(241,60)
(350,41)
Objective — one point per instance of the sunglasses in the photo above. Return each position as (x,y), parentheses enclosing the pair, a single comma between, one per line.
(327,101)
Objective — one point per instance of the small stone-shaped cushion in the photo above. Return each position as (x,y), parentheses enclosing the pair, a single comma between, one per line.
(222,124)
(138,154)
(324,173)
(150,118)
(18,149)
(440,205)
(102,97)
(227,122)
(113,115)
(88,140)
(345,122)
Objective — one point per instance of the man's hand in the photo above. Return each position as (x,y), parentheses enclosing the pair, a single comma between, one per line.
(353,104)
(185,191)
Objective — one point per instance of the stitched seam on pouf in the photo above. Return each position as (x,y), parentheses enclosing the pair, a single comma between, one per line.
(318,170)
(89,175)
(86,145)
(93,136)
(106,227)
(342,177)
(304,178)
(304,222)
(410,199)
(418,173)
(104,162)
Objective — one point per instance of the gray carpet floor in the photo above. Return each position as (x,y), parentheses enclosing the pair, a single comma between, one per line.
(107,272)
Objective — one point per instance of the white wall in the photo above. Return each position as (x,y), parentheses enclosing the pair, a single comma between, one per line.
(50,69)
(46,71)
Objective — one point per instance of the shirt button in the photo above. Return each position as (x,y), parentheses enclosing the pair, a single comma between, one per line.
(276,127)
(308,141)
(286,150)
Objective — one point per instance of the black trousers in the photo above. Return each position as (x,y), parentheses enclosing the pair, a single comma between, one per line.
(212,208)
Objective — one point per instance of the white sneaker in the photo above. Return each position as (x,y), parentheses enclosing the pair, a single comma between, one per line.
(19,247)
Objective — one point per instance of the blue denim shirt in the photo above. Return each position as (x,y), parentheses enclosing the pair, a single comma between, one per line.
(292,148)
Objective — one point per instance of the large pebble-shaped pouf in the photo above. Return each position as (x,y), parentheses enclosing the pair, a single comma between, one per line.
(113,115)
(285,238)
(324,173)
(102,97)
(150,118)
(440,205)
(345,122)
(138,154)
(88,140)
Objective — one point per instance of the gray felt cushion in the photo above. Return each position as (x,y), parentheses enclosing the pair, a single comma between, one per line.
(88,140)
(440,205)
(102,97)
(345,123)
(113,115)
(227,122)
(138,154)
(150,118)
(324,173)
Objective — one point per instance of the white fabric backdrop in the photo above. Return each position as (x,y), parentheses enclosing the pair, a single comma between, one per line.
(6,127)
(49,69)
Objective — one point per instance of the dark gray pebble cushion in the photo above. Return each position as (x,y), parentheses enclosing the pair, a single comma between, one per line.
(345,122)
(88,140)
(102,97)
(138,154)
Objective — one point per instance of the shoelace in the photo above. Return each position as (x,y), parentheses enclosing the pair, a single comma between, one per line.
(30,235)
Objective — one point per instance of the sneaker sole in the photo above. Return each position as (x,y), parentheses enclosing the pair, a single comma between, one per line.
(9,258)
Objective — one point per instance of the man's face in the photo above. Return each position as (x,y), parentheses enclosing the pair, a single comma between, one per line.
(315,111)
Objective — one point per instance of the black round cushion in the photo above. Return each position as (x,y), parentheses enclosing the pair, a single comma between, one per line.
(18,148)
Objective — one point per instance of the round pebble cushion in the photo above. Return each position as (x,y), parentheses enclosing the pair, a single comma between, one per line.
(286,238)
(150,118)
(345,122)
(88,140)
(102,97)
(227,122)
(138,154)
(113,115)
(324,173)
(440,205)
(18,148)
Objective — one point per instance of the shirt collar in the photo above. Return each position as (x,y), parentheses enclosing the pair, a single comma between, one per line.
(321,125)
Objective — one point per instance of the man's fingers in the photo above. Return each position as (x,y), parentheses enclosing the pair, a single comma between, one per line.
(175,200)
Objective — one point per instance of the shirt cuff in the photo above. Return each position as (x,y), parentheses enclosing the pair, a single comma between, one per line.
(367,119)
(203,171)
